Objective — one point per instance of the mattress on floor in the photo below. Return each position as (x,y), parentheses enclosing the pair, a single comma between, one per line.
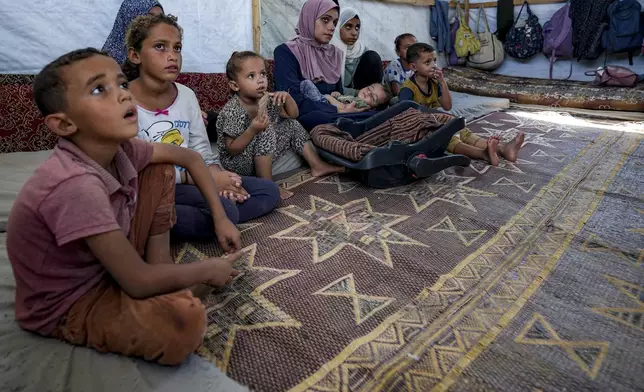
(32,363)
(471,107)
(544,92)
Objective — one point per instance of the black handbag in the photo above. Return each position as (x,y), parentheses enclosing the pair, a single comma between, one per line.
(526,41)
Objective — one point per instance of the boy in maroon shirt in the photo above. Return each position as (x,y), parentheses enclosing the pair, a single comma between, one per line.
(88,236)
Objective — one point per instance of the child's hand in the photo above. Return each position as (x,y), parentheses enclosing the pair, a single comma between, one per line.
(205,117)
(351,108)
(228,235)
(229,185)
(438,75)
(222,270)
(260,122)
(280,97)
(335,94)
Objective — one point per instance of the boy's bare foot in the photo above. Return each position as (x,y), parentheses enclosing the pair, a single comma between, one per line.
(511,149)
(285,194)
(325,168)
(491,155)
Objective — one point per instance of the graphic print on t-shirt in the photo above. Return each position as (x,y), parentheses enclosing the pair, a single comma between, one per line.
(165,132)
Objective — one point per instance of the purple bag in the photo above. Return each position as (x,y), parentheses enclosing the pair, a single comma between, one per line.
(557,34)
(453,58)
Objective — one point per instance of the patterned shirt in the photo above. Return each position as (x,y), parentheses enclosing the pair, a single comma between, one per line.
(395,72)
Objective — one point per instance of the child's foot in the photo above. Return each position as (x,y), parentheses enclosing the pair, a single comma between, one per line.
(285,194)
(510,150)
(491,155)
(324,168)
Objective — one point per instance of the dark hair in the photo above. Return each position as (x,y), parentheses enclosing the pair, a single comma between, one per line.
(233,66)
(401,37)
(49,86)
(138,31)
(414,51)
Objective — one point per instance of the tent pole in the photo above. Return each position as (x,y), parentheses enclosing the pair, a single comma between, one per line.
(257,29)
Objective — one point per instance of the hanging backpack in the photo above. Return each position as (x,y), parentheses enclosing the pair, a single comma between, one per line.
(491,54)
(588,24)
(524,42)
(466,42)
(453,58)
(557,38)
(623,33)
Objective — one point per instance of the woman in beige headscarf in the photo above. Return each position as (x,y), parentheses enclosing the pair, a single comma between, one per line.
(362,67)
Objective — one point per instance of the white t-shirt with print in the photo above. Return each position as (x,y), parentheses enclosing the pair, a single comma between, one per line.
(180,124)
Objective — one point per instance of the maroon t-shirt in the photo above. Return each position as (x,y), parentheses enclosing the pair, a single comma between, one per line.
(69,197)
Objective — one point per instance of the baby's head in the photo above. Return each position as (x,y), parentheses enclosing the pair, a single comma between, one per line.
(374,95)
(403,42)
(422,59)
(154,46)
(246,72)
(84,97)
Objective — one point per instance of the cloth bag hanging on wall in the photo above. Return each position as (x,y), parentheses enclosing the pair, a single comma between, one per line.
(557,36)
(524,42)
(466,42)
(491,54)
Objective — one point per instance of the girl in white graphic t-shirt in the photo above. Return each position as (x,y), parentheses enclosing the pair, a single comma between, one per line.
(169,113)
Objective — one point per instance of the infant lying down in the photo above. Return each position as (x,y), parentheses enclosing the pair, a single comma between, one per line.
(368,98)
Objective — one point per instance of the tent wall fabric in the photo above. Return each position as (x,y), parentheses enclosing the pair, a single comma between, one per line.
(384,21)
(35,32)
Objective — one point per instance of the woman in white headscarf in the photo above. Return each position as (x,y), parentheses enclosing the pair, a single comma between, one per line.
(362,67)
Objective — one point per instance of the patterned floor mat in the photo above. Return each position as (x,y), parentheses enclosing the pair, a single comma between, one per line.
(525,276)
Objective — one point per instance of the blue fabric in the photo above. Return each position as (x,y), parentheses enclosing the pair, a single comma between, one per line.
(439,26)
(130,9)
(405,94)
(194,219)
(287,76)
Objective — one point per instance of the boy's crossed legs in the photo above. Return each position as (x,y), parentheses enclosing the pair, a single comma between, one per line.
(164,328)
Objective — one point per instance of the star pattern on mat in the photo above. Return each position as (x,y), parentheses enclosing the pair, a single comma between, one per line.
(524,186)
(629,316)
(343,183)
(556,156)
(538,139)
(364,306)
(297,179)
(552,121)
(482,167)
(441,187)
(243,227)
(331,227)
(239,306)
(467,237)
(589,355)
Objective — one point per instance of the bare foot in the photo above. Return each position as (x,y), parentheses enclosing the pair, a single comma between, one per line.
(325,168)
(510,150)
(285,194)
(490,151)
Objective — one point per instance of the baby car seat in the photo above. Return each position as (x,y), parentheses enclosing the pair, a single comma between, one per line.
(406,143)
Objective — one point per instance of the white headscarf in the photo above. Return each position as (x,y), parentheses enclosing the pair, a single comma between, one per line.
(350,52)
